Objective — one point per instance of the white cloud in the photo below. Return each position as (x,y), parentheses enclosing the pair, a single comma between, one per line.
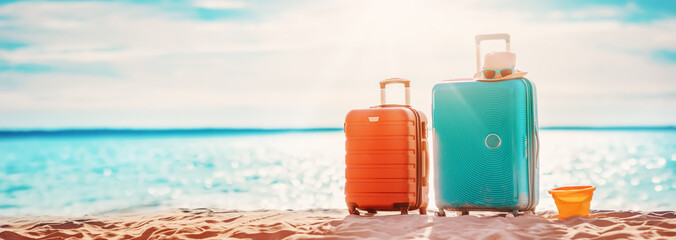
(218,4)
(314,62)
(596,12)
(605,11)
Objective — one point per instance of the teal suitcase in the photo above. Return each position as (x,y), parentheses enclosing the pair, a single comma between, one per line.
(485,145)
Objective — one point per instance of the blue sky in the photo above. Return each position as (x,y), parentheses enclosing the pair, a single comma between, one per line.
(71,64)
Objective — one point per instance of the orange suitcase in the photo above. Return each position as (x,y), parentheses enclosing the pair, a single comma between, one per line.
(386,157)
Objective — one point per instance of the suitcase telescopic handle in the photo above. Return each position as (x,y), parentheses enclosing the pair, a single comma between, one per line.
(484,37)
(407,89)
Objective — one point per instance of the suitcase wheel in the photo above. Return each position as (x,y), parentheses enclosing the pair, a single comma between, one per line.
(404,211)
(463,213)
(441,213)
(352,209)
(403,207)
(371,211)
(423,211)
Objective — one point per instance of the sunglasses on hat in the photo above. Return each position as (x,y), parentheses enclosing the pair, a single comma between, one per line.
(493,73)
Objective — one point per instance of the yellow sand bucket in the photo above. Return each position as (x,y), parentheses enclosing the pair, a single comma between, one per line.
(573,201)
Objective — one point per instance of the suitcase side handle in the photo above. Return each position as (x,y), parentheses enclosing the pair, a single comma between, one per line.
(407,89)
(484,37)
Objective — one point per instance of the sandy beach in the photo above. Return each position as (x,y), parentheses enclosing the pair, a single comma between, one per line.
(336,224)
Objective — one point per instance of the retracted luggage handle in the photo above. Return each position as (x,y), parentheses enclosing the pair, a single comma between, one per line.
(407,89)
(483,37)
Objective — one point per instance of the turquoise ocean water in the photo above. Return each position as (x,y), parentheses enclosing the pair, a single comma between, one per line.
(76,173)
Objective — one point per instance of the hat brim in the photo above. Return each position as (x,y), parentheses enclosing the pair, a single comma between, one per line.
(517,74)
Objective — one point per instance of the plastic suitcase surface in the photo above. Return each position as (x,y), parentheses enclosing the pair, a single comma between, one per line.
(485,137)
(386,157)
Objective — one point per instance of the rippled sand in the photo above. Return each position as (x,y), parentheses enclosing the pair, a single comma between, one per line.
(335,224)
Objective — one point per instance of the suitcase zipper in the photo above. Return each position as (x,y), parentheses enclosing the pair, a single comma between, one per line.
(419,160)
(532,156)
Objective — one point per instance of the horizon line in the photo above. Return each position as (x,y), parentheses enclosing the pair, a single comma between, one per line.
(248,131)
(155,131)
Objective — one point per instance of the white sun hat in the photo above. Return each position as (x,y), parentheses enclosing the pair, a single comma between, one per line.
(497,66)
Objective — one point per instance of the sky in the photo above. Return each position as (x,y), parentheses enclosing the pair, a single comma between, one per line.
(270,64)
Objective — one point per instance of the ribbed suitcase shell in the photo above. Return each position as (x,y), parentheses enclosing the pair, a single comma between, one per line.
(468,174)
(386,159)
